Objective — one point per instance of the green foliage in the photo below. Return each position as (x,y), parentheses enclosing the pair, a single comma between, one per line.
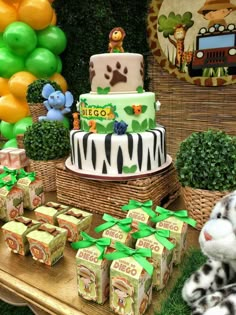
(100,128)
(207,160)
(167,24)
(140,89)
(152,123)
(129,170)
(34,91)
(47,140)
(136,126)
(144,125)
(103,91)
(129,110)
(87,25)
(144,108)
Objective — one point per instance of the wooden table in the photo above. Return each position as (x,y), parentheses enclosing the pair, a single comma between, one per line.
(53,290)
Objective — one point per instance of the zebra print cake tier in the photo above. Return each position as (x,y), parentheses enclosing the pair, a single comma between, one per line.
(115,155)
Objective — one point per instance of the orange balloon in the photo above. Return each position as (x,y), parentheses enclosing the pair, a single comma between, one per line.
(54,18)
(8,15)
(37,13)
(16,3)
(18,83)
(4,89)
(59,79)
(12,109)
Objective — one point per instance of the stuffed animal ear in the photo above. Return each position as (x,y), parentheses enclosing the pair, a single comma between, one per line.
(47,90)
(69,99)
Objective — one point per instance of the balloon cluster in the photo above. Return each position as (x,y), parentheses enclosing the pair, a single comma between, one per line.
(30,45)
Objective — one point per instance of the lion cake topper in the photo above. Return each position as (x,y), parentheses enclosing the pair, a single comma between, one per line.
(116,38)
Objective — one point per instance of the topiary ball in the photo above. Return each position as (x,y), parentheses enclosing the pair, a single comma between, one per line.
(34,90)
(47,140)
(207,160)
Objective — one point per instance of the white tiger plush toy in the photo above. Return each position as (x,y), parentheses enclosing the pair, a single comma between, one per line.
(211,290)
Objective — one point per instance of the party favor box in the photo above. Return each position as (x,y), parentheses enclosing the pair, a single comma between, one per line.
(15,232)
(130,287)
(92,275)
(33,192)
(49,212)
(5,156)
(139,212)
(75,221)
(47,243)
(162,260)
(11,203)
(18,158)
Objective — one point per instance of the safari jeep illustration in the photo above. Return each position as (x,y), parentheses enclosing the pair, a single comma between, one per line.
(87,283)
(122,297)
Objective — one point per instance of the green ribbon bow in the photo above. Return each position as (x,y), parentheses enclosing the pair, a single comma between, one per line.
(182,215)
(30,175)
(139,255)
(9,184)
(88,241)
(160,235)
(146,207)
(123,224)
(7,171)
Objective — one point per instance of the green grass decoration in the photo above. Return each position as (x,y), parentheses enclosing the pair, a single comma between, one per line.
(174,304)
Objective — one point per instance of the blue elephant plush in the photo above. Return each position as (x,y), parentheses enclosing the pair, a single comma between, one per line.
(56,103)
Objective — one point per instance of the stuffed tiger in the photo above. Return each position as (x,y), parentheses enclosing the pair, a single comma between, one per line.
(211,290)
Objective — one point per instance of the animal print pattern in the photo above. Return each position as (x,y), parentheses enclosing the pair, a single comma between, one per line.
(211,290)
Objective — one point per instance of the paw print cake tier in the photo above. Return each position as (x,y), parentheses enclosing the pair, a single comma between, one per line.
(118,135)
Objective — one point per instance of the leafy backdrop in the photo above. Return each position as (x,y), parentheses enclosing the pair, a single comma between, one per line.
(87,25)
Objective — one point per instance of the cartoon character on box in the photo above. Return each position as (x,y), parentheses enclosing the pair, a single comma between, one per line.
(87,283)
(122,300)
(57,103)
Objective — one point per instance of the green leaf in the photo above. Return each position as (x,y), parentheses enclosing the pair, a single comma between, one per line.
(129,110)
(136,126)
(86,126)
(110,127)
(106,90)
(139,89)
(144,125)
(152,123)
(144,108)
(129,170)
(100,128)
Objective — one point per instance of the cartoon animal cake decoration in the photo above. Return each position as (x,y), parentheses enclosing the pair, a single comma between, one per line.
(116,38)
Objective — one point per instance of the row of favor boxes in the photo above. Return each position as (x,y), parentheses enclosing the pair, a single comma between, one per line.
(13,157)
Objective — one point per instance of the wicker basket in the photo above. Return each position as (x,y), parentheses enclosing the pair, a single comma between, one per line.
(199,203)
(108,196)
(36,110)
(46,170)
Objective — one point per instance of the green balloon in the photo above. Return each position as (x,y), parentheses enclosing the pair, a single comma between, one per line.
(10,63)
(2,43)
(21,126)
(7,130)
(52,38)
(20,38)
(59,64)
(41,62)
(10,144)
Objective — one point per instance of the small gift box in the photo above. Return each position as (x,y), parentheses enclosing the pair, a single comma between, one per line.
(177,223)
(75,221)
(92,268)
(116,230)
(5,156)
(15,232)
(162,248)
(11,200)
(49,212)
(130,280)
(7,172)
(32,188)
(18,158)
(139,212)
(47,243)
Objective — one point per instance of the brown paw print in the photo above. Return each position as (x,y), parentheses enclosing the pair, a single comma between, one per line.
(117,75)
(92,72)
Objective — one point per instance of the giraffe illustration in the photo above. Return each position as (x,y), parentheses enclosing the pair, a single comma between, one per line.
(179,36)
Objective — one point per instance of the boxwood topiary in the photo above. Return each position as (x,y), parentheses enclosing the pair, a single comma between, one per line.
(34,91)
(47,140)
(207,160)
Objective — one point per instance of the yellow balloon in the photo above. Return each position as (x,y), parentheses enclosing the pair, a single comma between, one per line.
(54,18)
(19,82)
(8,14)
(59,79)
(37,13)
(4,88)
(12,109)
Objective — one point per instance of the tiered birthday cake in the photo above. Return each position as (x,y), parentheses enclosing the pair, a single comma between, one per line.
(118,135)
